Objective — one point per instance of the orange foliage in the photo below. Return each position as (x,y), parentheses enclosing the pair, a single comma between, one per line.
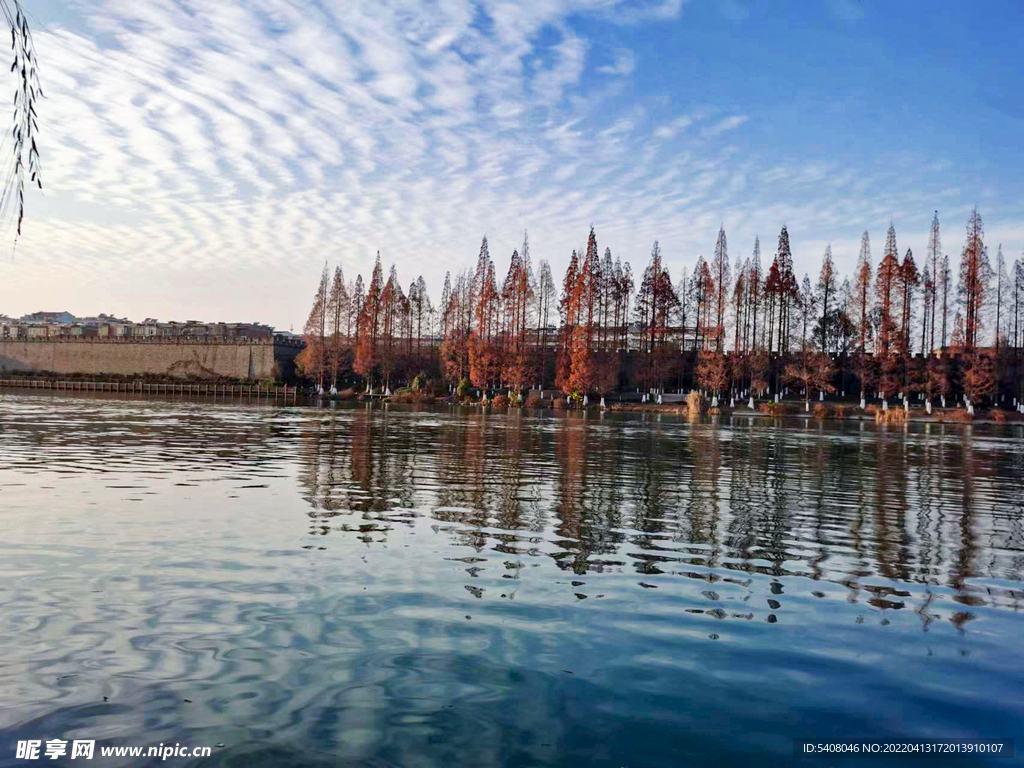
(712,371)
(581,374)
(980,378)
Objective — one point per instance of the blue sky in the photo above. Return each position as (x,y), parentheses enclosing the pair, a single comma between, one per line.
(203,160)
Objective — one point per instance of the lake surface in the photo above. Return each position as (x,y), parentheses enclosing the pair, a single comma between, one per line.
(371,586)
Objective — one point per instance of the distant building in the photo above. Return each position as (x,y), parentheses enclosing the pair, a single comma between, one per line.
(44,325)
(49,317)
(11,329)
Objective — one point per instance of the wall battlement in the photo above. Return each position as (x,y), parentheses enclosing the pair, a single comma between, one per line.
(198,357)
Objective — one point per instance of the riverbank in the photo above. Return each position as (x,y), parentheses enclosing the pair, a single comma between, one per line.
(838,412)
(291,395)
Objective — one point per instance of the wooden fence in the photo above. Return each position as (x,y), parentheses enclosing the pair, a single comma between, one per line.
(257,391)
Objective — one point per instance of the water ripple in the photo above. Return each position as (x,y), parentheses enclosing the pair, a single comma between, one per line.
(407,586)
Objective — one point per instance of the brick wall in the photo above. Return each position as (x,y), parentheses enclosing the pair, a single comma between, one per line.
(254,359)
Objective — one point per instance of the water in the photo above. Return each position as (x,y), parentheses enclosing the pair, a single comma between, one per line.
(362,586)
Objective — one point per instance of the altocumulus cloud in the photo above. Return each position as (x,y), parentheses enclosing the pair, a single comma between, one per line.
(204,158)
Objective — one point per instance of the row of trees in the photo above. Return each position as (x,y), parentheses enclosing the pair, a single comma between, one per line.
(720,325)
(367,330)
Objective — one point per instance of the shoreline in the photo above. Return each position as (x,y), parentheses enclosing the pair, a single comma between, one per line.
(856,414)
(253,395)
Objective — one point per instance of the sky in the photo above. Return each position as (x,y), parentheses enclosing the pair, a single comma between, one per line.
(203,160)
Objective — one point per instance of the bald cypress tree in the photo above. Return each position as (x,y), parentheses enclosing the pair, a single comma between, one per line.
(315,355)
(928,307)
(369,327)
(862,287)
(568,308)
(1018,306)
(908,280)
(446,300)
(755,292)
(1002,280)
(788,289)
(975,275)
(337,303)
(934,260)
(943,281)
(721,274)
(826,294)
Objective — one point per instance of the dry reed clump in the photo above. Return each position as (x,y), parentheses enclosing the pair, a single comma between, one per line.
(559,404)
(411,396)
(500,401)
(777,409)
(842,412)
(998,415)
(694,403)
(533,400)
(892,416)
(957,416)
(347,394)
(821,411)
(873,410)
(716,411)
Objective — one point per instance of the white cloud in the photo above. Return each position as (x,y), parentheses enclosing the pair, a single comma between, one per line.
(622,66)
(205,159)
(725,124)
(674,127)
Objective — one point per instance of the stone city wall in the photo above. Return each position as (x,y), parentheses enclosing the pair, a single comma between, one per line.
(252,359)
